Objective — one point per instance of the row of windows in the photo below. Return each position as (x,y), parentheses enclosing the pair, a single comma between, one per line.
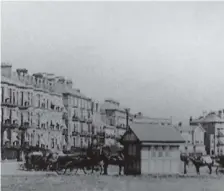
(83,141)
(16,97)
(80,103)
(9,114)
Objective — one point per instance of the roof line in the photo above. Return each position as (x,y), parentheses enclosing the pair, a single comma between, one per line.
(178,141)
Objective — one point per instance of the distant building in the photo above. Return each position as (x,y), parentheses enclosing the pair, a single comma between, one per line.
(213,124)
(152,149)
(115,118)
(194,139)
(140,118)
(31,110)
(79,118)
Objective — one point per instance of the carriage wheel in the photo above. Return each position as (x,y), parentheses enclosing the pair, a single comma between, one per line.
(97,169)
(88,170)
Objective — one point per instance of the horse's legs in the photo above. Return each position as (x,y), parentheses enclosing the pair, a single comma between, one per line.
(119,169)
(83,169)
(210,169)
(105,166)
(216,171)
(65,170)
(185,168)
(92,168)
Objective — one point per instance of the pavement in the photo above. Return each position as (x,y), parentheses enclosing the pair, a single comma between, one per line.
(12,168)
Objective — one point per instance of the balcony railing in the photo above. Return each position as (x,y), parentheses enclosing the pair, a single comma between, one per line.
(8,103)
(82,119)
(89,120)
(8,124)
(65,132)
(220,134)
(75,133)
(75,118)
(25,106)
(24,126)
(121,126)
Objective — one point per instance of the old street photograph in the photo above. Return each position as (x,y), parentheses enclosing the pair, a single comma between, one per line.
(112,96)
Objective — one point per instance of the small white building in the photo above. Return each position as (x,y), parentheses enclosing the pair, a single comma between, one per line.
(152,149)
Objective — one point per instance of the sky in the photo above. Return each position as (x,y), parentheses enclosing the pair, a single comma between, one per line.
(161,58)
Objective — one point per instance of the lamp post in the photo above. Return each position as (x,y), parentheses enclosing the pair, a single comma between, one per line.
(127,110)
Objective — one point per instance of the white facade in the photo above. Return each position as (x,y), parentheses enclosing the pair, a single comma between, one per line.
(160,160)
(218,139)
(79,116)
(32,102)
(194,139)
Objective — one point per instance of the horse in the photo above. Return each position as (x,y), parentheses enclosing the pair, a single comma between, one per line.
(116,160)
(219,163)
(92,161)
(202,162)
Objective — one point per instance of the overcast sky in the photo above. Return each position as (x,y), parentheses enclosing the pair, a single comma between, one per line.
(164,59)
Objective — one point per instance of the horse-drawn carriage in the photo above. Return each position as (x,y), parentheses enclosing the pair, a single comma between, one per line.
(90,161)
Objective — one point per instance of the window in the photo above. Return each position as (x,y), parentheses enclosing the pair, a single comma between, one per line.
(17,98)
(52,143)
(38,98)
(74,142)
(160,153)
(153,152)
(10,95)
(167,153)
(22,98)
(13,97)
(132,150)
(2,114)
(96,107)
(29,97)
(81,142)
(2,94)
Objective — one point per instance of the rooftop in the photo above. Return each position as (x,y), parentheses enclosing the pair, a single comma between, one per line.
(210,118)
(156,133)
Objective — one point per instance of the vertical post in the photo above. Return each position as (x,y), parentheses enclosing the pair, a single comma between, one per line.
(127,118)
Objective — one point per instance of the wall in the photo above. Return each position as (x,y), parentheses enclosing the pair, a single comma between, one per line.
(160,160)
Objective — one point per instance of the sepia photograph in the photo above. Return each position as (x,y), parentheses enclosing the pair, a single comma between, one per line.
(112,95)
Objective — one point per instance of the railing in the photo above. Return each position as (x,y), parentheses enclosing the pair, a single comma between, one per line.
(75,133)
(7,103)
(82,119)
(75,118)
(25,106)
(89,120)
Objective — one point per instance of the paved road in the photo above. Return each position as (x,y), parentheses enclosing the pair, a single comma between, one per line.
(109,183)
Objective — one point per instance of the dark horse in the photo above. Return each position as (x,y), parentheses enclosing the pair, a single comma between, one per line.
(116,160)
(220,163)
(201,162)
